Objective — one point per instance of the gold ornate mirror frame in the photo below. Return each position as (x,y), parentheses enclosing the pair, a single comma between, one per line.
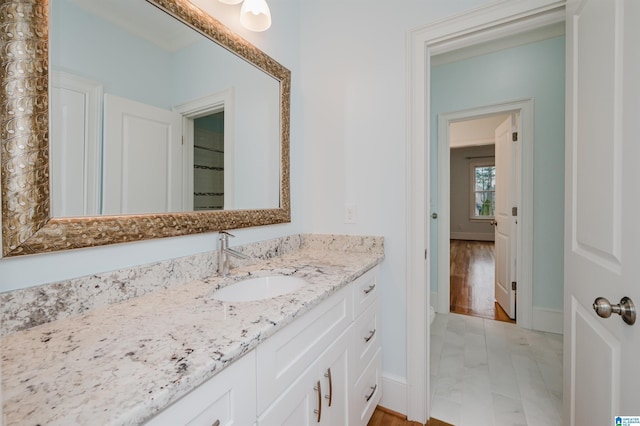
(27,227)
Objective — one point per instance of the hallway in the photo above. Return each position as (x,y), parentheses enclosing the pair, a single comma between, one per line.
(472,275)
(491,373)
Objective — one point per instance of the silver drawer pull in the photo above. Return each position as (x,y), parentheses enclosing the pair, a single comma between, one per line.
(369,289)
(319,410)
(216,423)
(330,396)
(373,391)
(370,336)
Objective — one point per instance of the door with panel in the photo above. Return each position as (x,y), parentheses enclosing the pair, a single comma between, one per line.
(142,163)
(505,220)
(602,230)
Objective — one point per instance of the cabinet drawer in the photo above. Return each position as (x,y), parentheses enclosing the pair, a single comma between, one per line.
(283,357)
(366,339)
(228,397)
(365,291)
(367,392)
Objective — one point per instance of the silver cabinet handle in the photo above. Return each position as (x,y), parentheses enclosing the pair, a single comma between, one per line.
(369,289)
(370,336)
(373,391)
(330,396)
(216,423)
(318,411)
(626,309)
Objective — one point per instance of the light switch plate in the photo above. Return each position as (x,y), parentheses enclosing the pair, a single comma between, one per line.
(349,213)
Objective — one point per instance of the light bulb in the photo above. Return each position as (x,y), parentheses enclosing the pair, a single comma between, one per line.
(255,15)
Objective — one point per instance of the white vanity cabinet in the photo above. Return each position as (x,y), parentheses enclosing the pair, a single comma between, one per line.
(324,368)
(226,399)
(304,366)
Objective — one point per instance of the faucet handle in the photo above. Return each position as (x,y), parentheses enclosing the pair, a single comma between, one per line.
(225,234)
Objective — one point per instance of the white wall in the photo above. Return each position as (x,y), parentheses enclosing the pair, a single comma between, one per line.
(354,78)
(462,227)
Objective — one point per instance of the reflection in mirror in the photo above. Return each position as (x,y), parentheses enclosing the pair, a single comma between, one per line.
(27,224)
(134,94)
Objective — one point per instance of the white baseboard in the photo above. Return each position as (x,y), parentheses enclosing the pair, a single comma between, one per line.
(434,302)
(472,236)
(549,320)
(394,393)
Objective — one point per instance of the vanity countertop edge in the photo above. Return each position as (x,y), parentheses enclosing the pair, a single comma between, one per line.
(124,363)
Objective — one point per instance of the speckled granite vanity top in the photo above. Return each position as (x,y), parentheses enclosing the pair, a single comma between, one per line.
(121,364)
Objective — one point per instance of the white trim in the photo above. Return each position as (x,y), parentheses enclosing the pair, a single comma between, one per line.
(473,142)
(548,320)
(472,236)
(394,393)
(93,92)
(418,403)
(532,36)
(469,28)
(220,101)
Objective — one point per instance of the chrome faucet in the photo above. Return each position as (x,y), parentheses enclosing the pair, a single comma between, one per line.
(224,251)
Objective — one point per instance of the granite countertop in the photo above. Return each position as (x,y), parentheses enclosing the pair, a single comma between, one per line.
(122,364)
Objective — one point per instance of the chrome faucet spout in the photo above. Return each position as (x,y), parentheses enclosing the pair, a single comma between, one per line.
(236,253)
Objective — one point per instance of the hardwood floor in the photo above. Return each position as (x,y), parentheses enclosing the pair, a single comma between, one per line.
(384,417)
(472,280)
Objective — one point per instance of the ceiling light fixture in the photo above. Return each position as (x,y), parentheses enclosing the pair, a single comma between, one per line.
(254,14)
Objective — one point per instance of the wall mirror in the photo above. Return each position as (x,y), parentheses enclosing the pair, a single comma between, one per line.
(67,183)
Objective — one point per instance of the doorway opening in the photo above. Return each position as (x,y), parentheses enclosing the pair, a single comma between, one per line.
(487,23)
(475,289)
(506,220)
(208,152)
(208,162)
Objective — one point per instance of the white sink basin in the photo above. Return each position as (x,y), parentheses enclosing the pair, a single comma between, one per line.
(259,288)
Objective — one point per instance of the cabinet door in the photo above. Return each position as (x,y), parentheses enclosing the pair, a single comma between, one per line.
(296,405)
(334,379)
(283,357)
(320,396)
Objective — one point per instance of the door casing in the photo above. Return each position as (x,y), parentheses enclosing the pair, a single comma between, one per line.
(495,20)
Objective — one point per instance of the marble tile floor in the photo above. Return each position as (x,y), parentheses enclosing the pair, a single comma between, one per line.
(491,373)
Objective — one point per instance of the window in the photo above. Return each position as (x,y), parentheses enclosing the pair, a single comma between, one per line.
(483,190)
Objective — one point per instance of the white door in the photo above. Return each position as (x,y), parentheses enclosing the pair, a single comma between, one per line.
(602,228)
(505,229)
(75,145)
(142,158)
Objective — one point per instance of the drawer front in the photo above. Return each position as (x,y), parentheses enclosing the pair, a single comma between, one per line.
(365,291)
(228,397)
(366,339)
(367,392)
(283,357)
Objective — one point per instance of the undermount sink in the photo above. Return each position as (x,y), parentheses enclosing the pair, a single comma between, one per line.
(259,288)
